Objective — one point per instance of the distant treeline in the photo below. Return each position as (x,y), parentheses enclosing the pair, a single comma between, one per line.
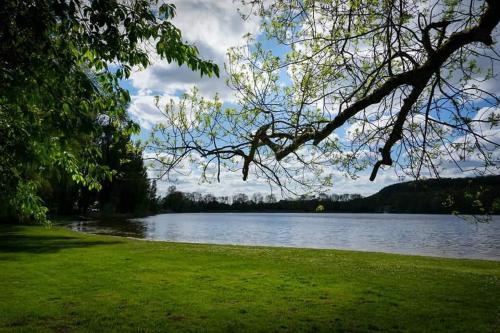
(132,194)
(438,196)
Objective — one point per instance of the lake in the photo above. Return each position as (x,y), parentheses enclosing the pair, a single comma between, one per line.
(432,235)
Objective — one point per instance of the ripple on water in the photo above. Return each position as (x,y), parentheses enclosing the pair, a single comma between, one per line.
(435,235)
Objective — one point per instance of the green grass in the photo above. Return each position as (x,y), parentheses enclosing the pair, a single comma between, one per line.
(62,281)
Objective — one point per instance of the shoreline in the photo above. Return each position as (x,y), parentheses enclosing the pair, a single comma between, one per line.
(140,216)
(261,246)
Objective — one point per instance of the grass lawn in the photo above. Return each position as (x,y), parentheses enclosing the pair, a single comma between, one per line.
(62,281)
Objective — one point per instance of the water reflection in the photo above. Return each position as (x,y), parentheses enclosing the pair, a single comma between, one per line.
(436,235)
(116,227)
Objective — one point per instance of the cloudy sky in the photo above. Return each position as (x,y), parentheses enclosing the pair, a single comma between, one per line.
(214,26)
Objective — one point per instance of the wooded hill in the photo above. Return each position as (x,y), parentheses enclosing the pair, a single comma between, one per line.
(446,195)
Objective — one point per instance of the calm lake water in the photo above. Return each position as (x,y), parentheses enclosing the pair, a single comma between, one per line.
(433,235)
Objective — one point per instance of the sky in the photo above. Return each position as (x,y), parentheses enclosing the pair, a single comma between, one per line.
(214,26)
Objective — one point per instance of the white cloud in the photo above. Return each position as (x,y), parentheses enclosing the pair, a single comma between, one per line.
(213,26)
(143,110)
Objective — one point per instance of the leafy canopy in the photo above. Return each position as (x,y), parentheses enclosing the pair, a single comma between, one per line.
(349,85)
(60,66)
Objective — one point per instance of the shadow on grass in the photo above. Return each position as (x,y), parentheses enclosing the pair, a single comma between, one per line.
(12,240)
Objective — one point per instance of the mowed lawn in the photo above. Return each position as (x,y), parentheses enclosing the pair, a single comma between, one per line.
(58,280)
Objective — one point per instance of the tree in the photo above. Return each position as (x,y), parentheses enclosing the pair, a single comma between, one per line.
(60,66)
(257,198)
(130,190)
(320,209)
(240,198)
(174,200)
(270,198)
(404,80)
(209,198)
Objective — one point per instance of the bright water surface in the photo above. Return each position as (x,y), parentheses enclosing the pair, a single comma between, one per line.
(434,235)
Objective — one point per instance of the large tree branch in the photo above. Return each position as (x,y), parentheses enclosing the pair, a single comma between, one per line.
(416,77)
(397,129)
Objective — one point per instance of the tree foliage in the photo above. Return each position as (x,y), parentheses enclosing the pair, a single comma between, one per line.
(60,66)
(129,192)
(349,84)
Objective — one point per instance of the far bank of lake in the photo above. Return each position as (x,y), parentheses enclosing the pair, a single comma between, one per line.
(430,235)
